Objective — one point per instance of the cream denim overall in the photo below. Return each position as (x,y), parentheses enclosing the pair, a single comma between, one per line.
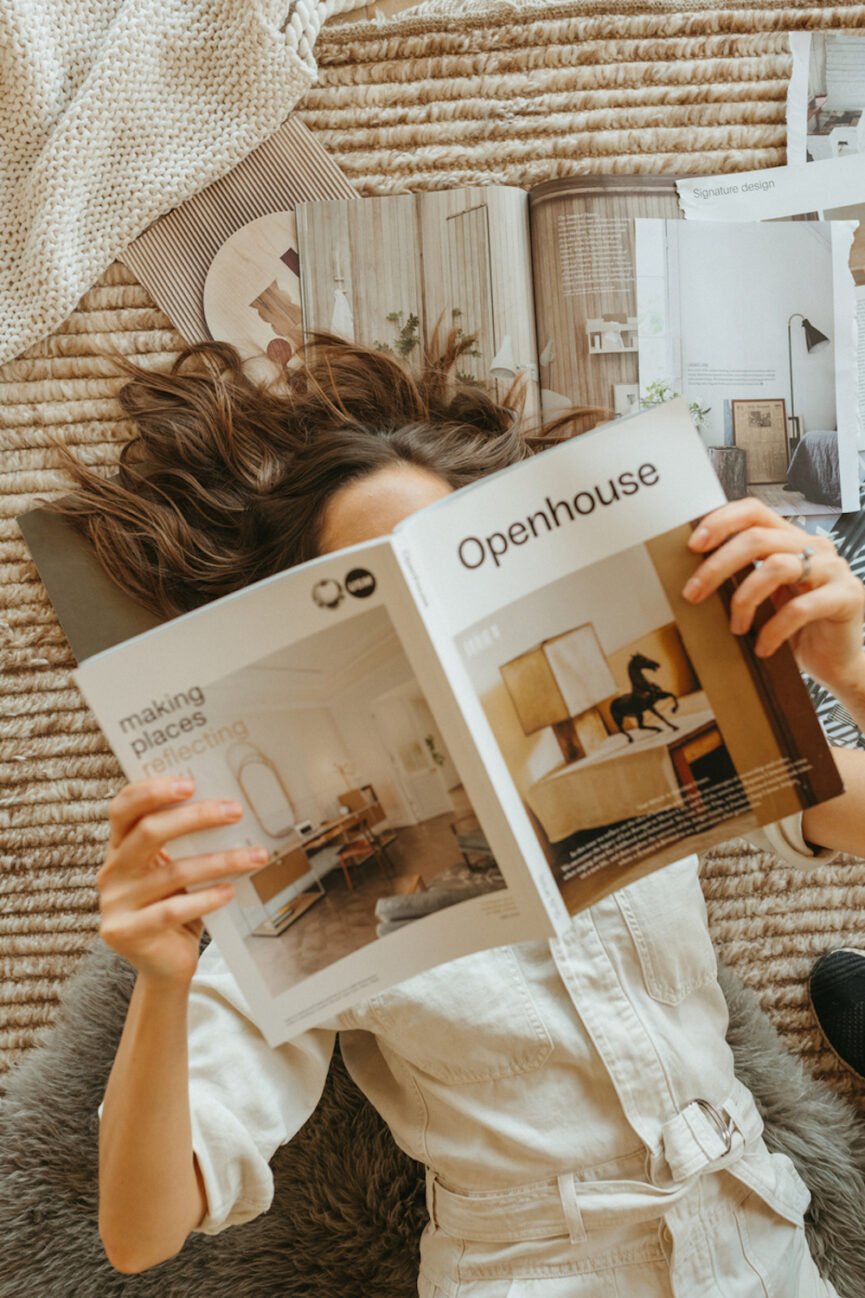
(574,1102)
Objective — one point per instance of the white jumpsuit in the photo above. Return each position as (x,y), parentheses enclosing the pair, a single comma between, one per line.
(574,1102)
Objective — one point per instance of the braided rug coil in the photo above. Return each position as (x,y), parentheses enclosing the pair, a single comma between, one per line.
(447,95)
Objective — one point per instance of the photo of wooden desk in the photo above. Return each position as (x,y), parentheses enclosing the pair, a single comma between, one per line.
(285,869)
(334,829)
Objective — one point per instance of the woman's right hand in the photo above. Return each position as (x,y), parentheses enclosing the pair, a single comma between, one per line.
(146,916)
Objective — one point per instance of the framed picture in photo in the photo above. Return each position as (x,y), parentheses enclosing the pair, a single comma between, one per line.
(760,430)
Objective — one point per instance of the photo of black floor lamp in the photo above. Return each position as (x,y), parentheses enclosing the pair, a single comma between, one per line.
(815,341)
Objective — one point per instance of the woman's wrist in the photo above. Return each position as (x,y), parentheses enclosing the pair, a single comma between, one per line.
(163,987)
(849,690)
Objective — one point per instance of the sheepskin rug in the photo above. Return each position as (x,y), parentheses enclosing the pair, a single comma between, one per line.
(349,1206)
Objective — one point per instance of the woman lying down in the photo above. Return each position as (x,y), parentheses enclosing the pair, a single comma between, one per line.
(574,1101)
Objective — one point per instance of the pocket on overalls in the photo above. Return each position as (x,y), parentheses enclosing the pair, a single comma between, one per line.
(472,1020)
(774,1248)
(666,917)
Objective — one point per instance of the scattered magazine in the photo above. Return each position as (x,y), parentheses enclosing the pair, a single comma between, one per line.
(543,279)
(826,98)
(224,263)
(766,359)
(832,190)
(457,736)
(546,280)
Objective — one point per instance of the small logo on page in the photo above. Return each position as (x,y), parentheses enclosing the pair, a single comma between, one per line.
(360,583)
(328,593)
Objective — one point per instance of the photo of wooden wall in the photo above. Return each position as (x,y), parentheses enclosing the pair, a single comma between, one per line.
(387,271)
(583,263)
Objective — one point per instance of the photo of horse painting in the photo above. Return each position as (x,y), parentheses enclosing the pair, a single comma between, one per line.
(602,693)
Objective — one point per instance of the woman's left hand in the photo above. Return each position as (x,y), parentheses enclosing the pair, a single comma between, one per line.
(819,602)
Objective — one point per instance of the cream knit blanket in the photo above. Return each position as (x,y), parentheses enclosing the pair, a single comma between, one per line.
(114,111)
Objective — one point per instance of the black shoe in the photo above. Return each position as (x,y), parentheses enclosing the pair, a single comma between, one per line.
(837,990)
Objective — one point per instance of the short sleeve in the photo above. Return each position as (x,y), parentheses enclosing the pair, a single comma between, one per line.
(786,840)
(246,1098)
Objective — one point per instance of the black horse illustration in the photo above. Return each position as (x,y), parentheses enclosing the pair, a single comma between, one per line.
(642,698)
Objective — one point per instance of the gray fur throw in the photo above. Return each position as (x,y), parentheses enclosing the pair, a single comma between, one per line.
(349,1206)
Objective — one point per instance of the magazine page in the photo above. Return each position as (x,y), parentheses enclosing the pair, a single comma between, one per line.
(621,726)
(299,698)
(830,111)
(387,271)
(833,189)
(582,231)
(766,359)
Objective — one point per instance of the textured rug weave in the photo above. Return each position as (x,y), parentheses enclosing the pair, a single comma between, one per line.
(514,95)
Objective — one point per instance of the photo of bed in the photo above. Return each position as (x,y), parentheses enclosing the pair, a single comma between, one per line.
(627,718)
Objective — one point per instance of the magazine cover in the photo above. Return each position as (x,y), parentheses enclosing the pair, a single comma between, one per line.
(224,263)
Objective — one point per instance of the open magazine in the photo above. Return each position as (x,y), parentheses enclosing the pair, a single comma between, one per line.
(457,736)
(595,292)
(543,279)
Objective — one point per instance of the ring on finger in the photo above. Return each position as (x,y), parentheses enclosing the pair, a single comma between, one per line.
(805,558)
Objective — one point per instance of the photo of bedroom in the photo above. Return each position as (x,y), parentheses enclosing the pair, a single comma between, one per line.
(766,359)
(345,777)
(605,708)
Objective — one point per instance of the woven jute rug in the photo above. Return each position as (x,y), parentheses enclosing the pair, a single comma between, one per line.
(446,95)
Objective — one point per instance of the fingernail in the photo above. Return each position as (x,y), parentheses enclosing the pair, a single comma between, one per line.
(699,538)
(181,787)
(738,623)
(258,854)
(692,589)
(231,810)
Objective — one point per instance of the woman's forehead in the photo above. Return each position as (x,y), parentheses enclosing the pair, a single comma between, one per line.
(372,506)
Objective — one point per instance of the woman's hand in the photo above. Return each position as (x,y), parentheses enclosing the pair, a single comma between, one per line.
(819,602)
(147,917)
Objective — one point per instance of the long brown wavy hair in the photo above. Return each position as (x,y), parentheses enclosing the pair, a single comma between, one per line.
(226,480)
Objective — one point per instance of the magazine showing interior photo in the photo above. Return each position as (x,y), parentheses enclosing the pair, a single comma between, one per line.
(582,230)
(388,271)
(766,360)
(297,698)
(624,726)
